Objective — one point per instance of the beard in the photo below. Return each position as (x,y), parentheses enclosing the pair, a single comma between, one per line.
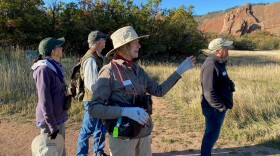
(224,59)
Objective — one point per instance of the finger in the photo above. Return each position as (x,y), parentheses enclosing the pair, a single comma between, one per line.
(147,120)
(138,119)
(193,58)
(144,116)
(140,122)
(193,62)
(189,58)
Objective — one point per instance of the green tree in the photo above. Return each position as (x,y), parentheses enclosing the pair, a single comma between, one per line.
(22,22)
(172,32)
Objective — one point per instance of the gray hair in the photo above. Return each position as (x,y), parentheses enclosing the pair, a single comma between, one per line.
(212,51)
(91,43)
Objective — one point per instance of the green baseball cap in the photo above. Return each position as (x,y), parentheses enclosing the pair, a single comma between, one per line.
(48,44)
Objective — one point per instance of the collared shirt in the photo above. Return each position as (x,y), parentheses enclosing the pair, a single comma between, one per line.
(122,58)
(91,64)
(90,73)
(110,89)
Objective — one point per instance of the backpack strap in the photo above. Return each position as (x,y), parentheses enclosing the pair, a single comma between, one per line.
(86,56)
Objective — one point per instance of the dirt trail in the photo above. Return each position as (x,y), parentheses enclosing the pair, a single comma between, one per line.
(15,140)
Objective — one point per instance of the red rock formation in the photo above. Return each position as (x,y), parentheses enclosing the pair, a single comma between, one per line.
(214,24)
(246,19)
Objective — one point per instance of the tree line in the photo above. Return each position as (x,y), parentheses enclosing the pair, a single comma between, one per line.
(173,32)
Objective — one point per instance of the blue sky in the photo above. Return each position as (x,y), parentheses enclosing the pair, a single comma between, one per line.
(201,7)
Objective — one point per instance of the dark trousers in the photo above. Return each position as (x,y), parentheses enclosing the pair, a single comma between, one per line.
(213,123)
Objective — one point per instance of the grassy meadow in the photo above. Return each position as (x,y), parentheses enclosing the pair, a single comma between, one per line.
(254,119)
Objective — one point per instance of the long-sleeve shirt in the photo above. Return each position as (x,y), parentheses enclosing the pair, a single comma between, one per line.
(91,64)
(110,89)
(215,84)
(90,73)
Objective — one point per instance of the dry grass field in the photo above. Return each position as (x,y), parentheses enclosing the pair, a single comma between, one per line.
(254,121)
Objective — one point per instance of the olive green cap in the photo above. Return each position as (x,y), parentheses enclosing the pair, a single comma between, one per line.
(48,44)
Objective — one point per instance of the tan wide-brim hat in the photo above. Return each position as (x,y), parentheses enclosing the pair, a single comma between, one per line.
(123,36)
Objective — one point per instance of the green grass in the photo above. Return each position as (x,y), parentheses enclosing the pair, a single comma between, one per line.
(254,119)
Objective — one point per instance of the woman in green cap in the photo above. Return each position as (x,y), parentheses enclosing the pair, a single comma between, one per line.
(48,73)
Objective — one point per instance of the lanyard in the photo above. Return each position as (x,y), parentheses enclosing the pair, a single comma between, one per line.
(120,75)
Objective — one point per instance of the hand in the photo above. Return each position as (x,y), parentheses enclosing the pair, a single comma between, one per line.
(136,114)
(186,65)
(222,109)
(53,135)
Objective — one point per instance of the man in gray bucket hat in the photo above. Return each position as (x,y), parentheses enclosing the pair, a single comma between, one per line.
(91,63)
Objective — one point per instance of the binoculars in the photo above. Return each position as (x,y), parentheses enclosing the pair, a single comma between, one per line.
(144,102)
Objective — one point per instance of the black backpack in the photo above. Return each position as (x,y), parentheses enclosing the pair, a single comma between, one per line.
(76,86)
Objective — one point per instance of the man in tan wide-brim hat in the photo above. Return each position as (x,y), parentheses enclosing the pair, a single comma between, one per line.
(122,96)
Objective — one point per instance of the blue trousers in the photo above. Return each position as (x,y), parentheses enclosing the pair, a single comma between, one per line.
(91,126)
(213,123)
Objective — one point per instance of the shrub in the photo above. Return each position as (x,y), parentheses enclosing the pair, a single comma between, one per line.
(269,44)
(244,44)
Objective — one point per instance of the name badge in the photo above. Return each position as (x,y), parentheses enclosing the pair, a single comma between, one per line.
(224,73)
(127,82)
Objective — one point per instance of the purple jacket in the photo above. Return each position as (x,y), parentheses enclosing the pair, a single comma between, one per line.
(51,95)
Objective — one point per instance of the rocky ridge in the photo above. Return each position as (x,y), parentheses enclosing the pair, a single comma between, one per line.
(245,19)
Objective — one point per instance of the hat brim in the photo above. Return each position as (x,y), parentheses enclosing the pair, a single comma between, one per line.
(60,42)
(105,36)
(227,43)
(111,52)
(42,142)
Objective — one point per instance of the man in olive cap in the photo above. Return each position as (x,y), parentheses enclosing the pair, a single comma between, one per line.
(91,63)
(217,89)
(48,74)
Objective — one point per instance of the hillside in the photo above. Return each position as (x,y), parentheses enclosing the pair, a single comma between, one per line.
(243,19)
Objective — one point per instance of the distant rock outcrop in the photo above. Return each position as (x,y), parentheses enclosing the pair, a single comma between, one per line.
(245,19)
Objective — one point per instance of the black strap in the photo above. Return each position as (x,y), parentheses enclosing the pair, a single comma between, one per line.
(58,71)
